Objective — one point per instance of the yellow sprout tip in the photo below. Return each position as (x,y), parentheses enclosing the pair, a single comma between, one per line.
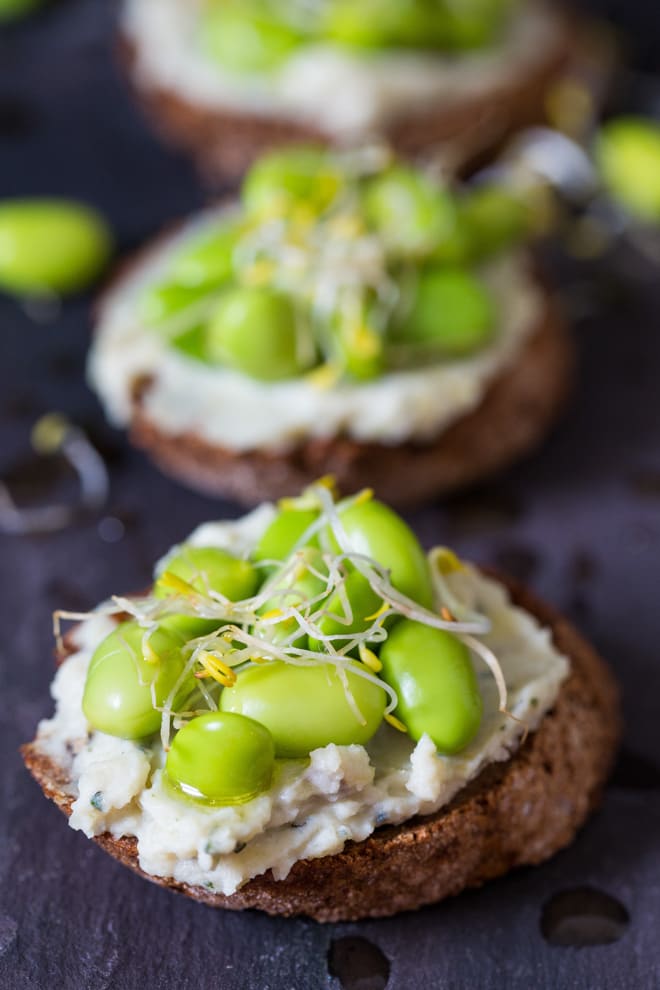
(447,561)
(273,613)
(169,580)
(395,722)
(325,376)
(369,659)
(384,608)
(364,496)
(217,669)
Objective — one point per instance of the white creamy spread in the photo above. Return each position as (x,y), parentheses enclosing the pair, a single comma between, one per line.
(346,93)
(313,808)
(234,411)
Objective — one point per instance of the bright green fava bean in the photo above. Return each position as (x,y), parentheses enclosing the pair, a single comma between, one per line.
(494,218)
(379,23)
(168,300)
(283,533)
(300,174)
(209,568)
(294,587)
(432,674)
(628,156)
(118,691)
(50,246)
(376,531)
(364,603)
(306,707)
(452,312)
(412,214)
(221,758)
(208,260)
(192,343)
(358,347)
(258,332)
(474,23)
(245,42)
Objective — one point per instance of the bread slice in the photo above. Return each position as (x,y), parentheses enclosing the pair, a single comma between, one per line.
(515,413)
(467,129)
(515,813)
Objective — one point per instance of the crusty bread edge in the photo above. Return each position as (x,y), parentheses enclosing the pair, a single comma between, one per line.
(515,813)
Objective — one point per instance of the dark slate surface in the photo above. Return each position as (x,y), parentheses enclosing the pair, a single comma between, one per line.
(581,522)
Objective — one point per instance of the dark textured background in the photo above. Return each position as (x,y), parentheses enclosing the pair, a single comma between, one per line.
(580,521)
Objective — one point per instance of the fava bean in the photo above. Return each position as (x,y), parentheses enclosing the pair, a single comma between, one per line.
(294,587)
(474,23)
(165,301)
(376,531)
(303,174)
(210,568)
(628,156)
(380,23)
(432,674)
(208,260)
(364,603)
(221,758)
(411,213)
(117,698)
(50,246)
(452,311)
(306,707)
(358,346)
(494,218)
(283,533)
(244,41)
(259,332)
(192,343)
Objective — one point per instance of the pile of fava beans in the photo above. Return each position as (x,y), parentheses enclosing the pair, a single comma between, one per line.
(269,657)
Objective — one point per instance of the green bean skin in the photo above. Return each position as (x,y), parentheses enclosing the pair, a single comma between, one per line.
(364,603)
(432,673)
(411,213)
(244,42)
(376,531)
(452,312)
(306,707)
(50,246)
(304,174)
(210,568)
(221,758)
(283,533)
(294,588)
(628,157)
(117,698)
(257,331)
(208,260)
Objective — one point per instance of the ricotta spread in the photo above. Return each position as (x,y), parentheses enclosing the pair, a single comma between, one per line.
(236,412)
(347,94)
(314,807)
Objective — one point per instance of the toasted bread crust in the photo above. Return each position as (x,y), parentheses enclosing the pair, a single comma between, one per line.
(468,129)
(515,813)
(516,412)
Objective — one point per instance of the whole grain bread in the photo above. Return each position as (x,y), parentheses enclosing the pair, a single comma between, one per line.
(515,413)
(466,129)
(515,813)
